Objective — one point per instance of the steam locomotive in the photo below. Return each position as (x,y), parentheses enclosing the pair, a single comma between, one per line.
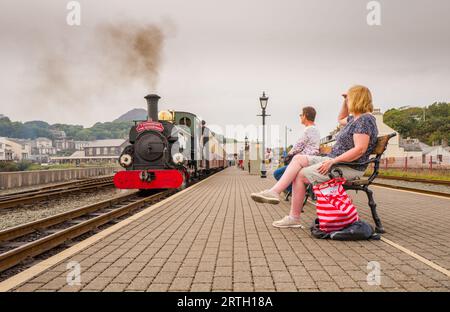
(168,150)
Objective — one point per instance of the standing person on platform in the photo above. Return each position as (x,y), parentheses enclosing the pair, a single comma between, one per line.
(308,144)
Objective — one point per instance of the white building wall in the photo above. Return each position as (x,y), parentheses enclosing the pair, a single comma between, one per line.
(2,150)
(20,152)
(439,150)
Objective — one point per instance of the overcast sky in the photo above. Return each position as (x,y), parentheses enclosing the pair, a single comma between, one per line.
(218,57)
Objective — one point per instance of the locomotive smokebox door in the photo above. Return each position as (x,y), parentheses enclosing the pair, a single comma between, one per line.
(151,146)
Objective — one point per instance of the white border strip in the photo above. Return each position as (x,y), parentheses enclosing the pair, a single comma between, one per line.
(28,274)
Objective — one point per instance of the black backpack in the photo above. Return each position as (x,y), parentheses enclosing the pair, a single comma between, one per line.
(358,230)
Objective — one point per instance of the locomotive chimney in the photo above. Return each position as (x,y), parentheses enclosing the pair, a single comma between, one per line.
(152,106)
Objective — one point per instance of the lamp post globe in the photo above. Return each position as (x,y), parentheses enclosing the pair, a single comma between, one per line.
(263,101)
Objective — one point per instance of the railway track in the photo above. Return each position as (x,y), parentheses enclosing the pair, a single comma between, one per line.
(411,189)
(46,193)
(34,238)
(418,180)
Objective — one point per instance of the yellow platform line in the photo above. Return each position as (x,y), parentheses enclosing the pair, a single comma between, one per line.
(418,257)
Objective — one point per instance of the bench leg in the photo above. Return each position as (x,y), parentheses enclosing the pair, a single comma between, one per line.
(307,194)
(305,200)
(288,194)
(373,207)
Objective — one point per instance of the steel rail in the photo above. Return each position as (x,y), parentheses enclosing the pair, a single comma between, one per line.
(410,189)
(52,188)
(417,180)
(39,225)
(31,249)
(14,202)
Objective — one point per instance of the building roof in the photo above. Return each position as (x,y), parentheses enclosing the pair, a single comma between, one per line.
(81,155)
(77,154)
(106,143)
(42,139)
(426,148)
(411,147)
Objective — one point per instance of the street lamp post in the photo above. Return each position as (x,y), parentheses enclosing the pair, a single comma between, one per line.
(263,101)
(247,153)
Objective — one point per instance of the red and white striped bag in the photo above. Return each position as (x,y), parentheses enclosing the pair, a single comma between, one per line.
(334,207)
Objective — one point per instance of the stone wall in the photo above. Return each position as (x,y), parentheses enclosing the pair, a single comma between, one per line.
(30,178)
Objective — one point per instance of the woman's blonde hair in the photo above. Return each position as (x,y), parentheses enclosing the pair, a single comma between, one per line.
(359,100)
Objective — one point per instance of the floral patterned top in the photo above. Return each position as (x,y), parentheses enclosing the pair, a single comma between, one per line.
(365,124)
(308,144)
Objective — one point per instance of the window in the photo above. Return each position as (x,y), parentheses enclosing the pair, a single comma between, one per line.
(439,157)
(98,151)
(105,151)
(185,121)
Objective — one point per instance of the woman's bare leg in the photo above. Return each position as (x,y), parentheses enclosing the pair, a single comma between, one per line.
(297,163)
(298,195)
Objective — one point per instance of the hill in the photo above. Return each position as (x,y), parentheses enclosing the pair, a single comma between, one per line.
(429,124)
(134,114)
(35,129)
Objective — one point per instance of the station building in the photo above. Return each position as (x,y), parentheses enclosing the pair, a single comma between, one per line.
(99,151)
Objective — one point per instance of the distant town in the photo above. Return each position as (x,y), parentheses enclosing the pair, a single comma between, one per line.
(422,139)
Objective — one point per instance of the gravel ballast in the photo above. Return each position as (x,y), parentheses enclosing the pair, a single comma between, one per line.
(28,213)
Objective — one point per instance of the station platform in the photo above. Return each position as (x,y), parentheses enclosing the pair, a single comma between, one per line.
(213,237)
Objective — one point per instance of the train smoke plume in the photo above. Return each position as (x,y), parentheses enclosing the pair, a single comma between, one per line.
(113,58)
(133,51)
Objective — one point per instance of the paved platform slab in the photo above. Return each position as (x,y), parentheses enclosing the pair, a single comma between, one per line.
(213,237)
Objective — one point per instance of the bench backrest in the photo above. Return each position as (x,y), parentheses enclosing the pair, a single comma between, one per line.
(382,143)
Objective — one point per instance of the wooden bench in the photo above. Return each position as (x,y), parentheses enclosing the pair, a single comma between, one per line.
(363,183)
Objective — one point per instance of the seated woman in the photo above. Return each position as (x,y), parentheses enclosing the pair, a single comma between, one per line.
(354,143)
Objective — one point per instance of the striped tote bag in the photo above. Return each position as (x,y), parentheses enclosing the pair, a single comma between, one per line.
(334,207)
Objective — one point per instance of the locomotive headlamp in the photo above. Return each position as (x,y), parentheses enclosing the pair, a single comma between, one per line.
(165,115)
(178,158)
(125,160)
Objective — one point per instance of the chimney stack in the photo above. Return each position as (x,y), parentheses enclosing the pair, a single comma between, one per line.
(152,106)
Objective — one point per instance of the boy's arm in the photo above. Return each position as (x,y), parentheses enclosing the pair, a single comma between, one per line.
(300,145)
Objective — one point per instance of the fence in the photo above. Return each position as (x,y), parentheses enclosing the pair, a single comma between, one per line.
(409,162)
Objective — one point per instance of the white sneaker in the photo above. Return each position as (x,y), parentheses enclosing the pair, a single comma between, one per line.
(287,222)
(266,196)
